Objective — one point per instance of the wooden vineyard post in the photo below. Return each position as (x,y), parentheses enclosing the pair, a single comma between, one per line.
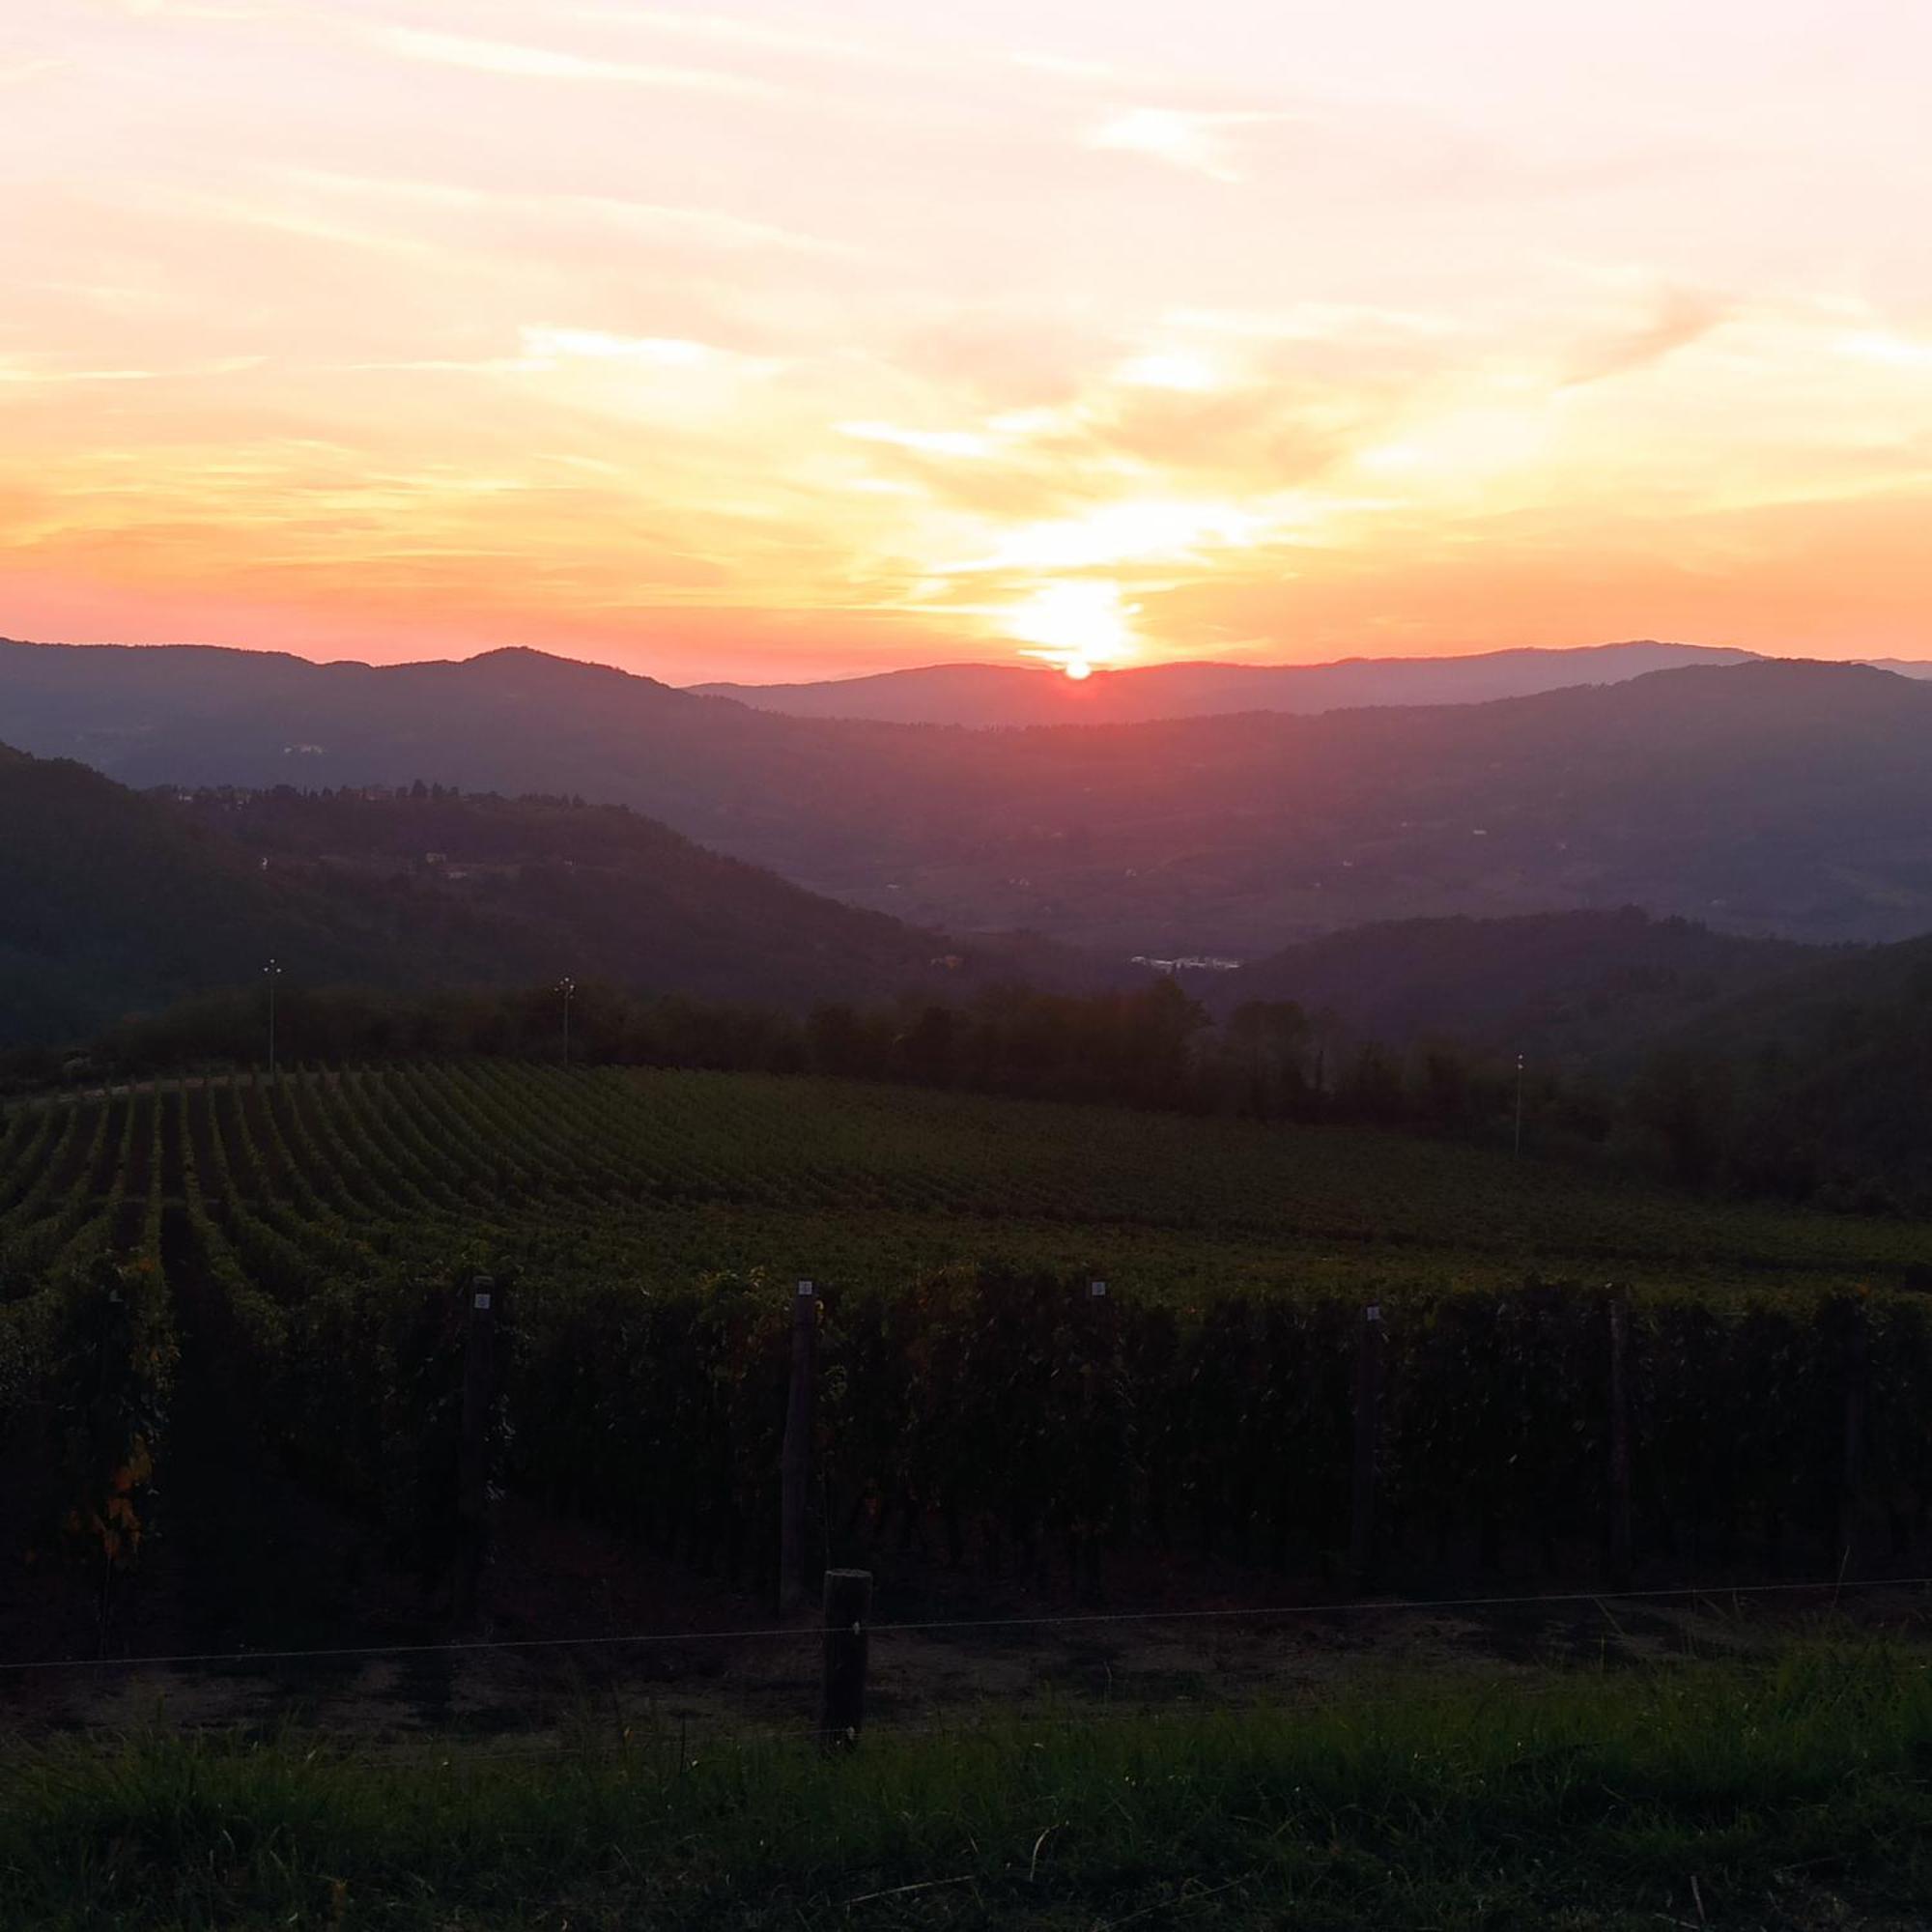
(1857,1388)
(1620,1442)
(479,1396)
(795,1459)
(1368,1446)
(848,1613)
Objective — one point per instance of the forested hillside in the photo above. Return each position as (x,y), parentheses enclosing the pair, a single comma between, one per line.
(1583,987)
(118,902)
(1813,1088)
(114,902)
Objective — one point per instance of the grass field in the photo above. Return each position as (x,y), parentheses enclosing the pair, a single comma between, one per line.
(1784,1794)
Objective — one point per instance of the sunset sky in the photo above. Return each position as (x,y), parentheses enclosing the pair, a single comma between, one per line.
(791,341)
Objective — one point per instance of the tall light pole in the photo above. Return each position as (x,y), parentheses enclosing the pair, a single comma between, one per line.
(272,972)
(567,987)
(1517,1155)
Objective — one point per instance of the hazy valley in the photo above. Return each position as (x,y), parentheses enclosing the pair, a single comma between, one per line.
(1769,797)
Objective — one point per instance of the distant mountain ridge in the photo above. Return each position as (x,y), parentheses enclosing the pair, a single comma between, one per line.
(1018,695)
(1772,796)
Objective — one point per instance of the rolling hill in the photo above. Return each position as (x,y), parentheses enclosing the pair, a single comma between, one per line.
(118,902)
(1757,1062)
(1812,1087)
(1578,986)
(1769,797)
(1757,1065)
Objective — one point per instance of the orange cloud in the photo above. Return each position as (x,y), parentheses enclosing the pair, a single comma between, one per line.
(706,341)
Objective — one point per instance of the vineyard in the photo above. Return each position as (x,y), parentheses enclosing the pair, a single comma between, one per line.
(313,1246)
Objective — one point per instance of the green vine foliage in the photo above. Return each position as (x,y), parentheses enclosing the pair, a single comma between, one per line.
(112,1356)
(1014,1420)
(981,1407)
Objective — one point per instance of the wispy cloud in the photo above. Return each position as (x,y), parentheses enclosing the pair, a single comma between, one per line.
(707,226)
(700,368)
(1196,141)
(658,352)
(1065,66)
(17,373)
(1134,531)
(1312,322)
(177,12)
(1892,352)
(1683,316)
(752,35)
(442,365)
(1179,369)
(274,217)
(924,442)
(530,63)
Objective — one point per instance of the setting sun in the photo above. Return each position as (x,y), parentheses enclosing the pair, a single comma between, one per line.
(1078,626)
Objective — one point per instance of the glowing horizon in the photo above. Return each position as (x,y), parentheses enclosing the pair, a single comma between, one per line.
(788,342)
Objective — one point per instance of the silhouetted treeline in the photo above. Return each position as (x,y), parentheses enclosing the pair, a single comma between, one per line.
(1153,1046)
(1818,1096)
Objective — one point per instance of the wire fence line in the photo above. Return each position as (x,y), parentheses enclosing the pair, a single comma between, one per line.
(682,1742)
(1403,1604)
(454,1648)
(1835,1585)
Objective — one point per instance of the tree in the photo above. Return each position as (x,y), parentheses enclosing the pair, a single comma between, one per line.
(1267,1045)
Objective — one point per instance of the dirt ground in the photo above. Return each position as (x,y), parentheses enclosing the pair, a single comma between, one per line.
(552,1666)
